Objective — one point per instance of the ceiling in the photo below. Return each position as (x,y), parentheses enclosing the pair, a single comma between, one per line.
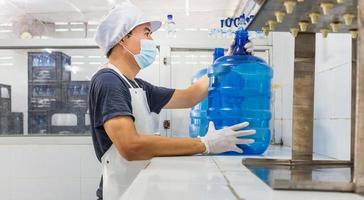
(202,13)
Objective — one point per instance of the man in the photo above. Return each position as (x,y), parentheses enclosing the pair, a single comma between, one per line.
(123,109)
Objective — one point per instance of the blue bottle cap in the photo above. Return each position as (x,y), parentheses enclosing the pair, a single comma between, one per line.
(241,38)
(170,17)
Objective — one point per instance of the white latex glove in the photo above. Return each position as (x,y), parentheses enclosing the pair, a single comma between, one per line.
(226,139)
(249,47)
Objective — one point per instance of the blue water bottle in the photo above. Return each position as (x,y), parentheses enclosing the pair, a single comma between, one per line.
(239,91)
(198,115)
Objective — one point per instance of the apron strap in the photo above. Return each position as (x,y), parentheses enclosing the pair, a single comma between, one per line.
(111,66)
(136,83)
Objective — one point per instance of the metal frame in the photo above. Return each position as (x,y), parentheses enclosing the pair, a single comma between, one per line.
(302,166)
(359,114)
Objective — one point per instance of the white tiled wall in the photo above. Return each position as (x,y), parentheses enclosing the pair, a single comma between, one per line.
(333,96)
(48,172)
(283,62)
(332,92)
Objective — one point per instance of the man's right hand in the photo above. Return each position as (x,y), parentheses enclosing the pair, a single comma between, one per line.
(226,139)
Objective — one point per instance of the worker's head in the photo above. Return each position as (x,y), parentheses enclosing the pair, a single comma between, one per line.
(125,32)
(132,40)
(137,46)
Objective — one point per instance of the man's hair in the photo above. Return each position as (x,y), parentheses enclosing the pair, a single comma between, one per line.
(108,54)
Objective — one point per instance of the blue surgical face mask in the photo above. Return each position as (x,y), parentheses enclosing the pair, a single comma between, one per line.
(148,52)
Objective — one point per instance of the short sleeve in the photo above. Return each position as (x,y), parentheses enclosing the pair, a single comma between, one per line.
(112,98)
(157,96)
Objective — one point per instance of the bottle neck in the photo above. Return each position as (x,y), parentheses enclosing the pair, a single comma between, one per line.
(218,52)
(241,38)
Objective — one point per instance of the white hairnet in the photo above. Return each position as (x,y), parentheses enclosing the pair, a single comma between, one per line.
(118,23)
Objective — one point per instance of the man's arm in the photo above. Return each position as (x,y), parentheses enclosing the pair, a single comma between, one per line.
(186,98)
(134,146)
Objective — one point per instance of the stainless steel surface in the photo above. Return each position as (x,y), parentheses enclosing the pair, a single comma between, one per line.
(284,162)
(301,13)
(313,185)
(303,176)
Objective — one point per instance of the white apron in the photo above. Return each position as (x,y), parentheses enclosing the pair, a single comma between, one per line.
(118,173)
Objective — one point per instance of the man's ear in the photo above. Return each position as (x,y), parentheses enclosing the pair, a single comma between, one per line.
(122,42)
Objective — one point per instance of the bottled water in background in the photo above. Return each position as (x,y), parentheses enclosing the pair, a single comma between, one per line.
(171,27)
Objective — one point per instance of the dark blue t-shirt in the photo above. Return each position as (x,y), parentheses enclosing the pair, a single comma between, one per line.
(110,97)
